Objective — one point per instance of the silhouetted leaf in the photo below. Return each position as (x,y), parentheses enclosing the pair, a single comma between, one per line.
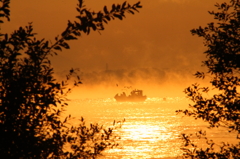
(58,48)
(80,3)
(105,21)
(118,16)
(124,4)
(70,37)
(113,8)
(108,18)
(130,11)
(105,10)
(65,45)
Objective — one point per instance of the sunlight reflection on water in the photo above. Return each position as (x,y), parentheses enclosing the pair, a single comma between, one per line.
(151,129)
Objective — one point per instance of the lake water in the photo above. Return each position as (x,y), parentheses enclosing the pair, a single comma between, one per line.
(151,129)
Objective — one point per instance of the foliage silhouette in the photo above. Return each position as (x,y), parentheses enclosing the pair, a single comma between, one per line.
(32,101)
(223,62)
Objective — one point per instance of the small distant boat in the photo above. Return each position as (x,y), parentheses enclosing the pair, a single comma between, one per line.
(135,96)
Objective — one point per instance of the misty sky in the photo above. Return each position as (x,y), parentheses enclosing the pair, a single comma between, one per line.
(152,46)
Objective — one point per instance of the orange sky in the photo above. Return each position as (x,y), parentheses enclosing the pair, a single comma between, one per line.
(153,46)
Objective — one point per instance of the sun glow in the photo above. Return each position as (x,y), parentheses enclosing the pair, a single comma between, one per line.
(149,133)
(143,136)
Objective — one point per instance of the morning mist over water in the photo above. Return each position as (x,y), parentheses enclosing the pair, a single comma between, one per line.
(154,82)
(152,50)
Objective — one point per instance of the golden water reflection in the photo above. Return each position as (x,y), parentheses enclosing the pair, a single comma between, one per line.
(147,132)
(151,129)
(149,137)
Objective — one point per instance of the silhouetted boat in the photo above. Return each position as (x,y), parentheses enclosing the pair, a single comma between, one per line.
(135,96)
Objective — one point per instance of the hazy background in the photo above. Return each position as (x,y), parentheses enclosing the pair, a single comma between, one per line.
(152,50)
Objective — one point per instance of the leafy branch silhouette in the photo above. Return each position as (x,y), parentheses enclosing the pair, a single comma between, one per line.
(222,60)
(32,101)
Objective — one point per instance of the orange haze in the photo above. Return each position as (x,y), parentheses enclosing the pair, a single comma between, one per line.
(152,50)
